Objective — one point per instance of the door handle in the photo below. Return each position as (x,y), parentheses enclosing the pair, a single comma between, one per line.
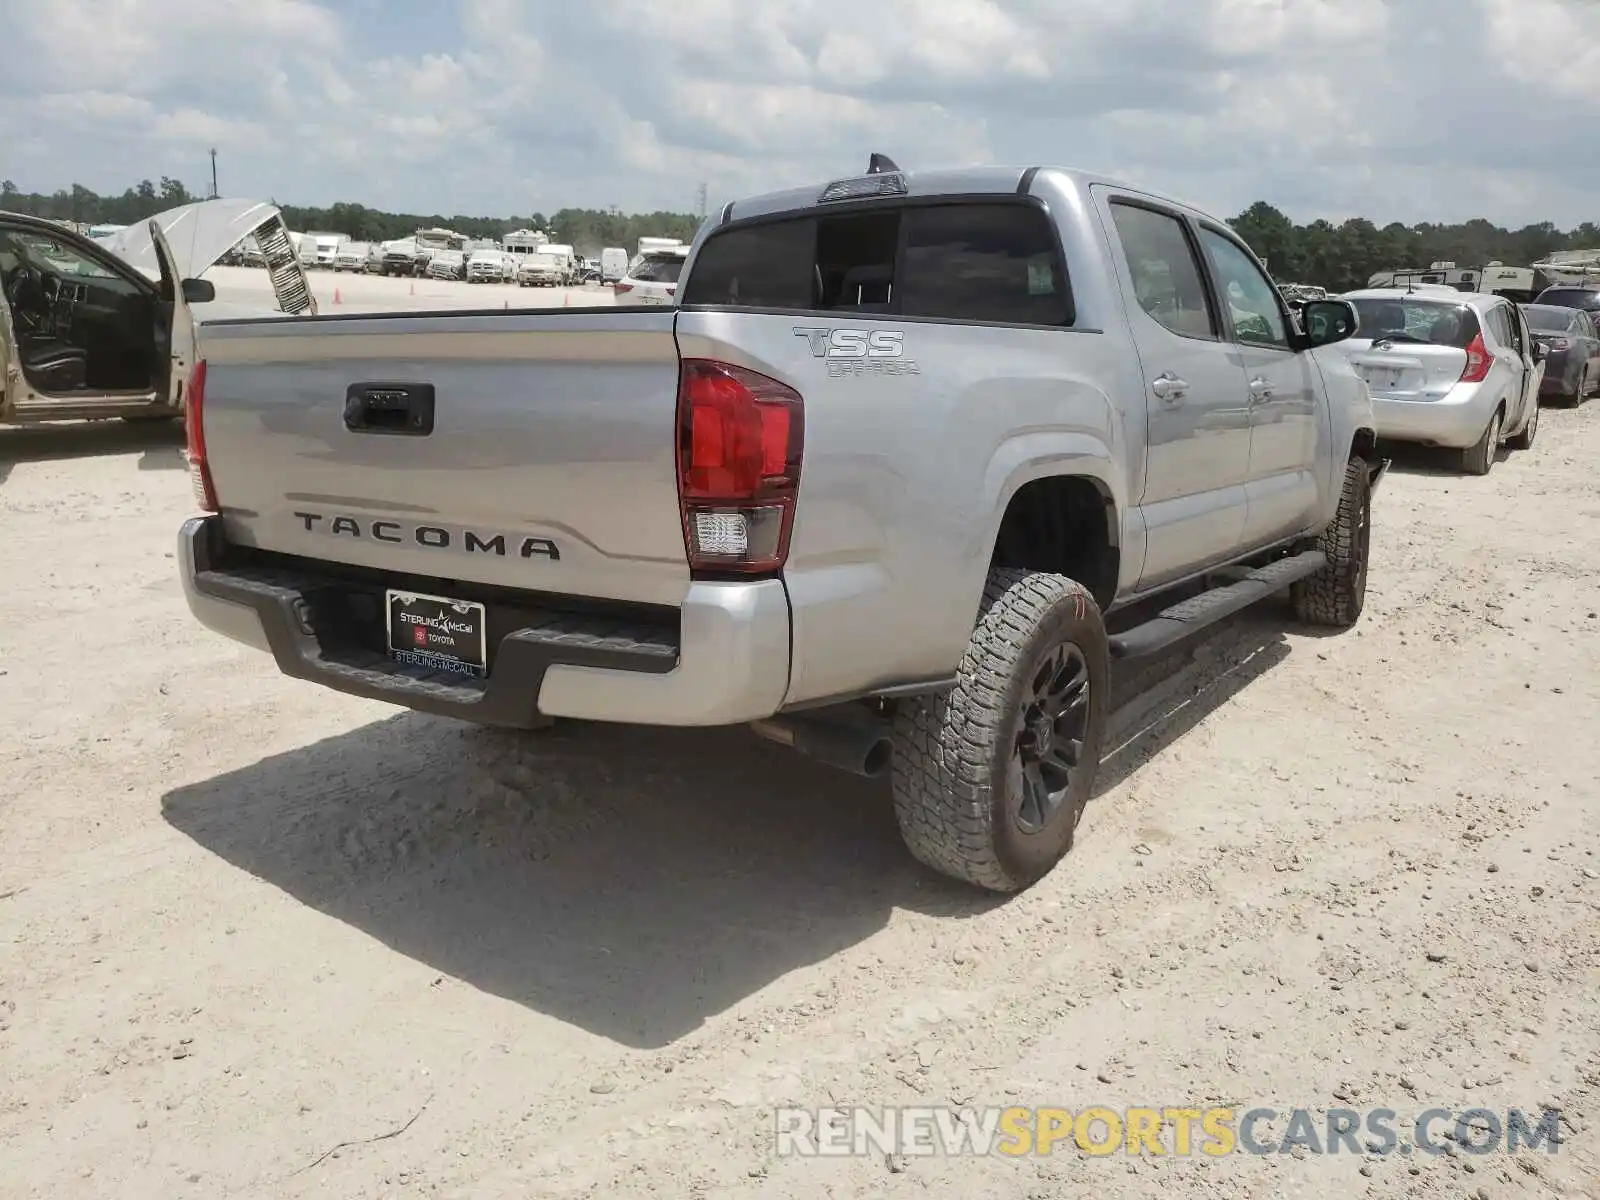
(1260,389)
(392,408)
(1168,386)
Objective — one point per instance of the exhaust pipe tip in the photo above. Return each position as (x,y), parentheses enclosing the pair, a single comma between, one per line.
(878,758)
(861,748)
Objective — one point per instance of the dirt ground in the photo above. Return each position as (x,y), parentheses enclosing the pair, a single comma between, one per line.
(246,921)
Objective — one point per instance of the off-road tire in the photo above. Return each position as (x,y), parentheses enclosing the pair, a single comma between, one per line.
(1477,459)
(1335,595)
(1524,440)
(956,778)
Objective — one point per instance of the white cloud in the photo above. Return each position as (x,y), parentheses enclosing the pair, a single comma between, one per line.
(1393,109)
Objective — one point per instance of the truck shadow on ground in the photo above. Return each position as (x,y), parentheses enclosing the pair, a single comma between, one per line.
(158,443)
(631,882)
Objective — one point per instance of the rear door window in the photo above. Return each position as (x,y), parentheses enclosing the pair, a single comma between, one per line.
(1501,327)
(983,262)
(967,262)
(1512,320)
(1166,273)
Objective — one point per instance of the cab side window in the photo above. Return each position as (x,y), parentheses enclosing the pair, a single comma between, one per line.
(1251,299)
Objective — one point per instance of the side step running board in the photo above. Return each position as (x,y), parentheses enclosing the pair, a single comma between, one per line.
(1197,612)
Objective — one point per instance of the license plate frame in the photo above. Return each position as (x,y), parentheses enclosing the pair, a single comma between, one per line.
(449,635)
(1381,379)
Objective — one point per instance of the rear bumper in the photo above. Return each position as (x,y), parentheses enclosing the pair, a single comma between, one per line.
(1455,421)
(724,660)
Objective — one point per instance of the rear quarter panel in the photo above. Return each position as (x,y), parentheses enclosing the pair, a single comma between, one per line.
(905,477)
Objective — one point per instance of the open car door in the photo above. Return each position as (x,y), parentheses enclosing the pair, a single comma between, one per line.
(175,292)
(83,333)
(10,363)
(95,329)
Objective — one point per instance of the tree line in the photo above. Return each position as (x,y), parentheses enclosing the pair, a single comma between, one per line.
(1344,256)
(1338,257)
(588,230)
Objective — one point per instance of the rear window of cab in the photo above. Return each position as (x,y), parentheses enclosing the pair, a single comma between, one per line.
(968,261)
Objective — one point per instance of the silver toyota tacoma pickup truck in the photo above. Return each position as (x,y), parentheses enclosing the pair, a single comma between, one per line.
(884,484)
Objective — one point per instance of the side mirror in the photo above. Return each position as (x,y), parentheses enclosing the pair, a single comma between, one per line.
(1540,352)
(199,291)
(1327,321)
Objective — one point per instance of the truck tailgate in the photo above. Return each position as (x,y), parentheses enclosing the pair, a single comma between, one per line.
(549,465)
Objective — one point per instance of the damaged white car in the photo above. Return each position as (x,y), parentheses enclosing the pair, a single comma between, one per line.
(93,329)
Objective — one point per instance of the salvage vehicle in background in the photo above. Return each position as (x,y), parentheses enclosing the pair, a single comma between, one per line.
(1572,295)
(874,485)
(446,264)
(352,257)
(400,257)
(652,278)
(540,269)
(93,329)
(1460,370)
(1572,350)
(613,264)
(490,265)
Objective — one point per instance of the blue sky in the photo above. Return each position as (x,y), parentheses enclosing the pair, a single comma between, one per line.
(1394,109)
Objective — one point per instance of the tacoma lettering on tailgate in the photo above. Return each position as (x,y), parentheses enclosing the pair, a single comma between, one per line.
(430,537)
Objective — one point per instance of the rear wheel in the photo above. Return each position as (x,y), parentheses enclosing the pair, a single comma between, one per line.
(1477,459)
(991,779)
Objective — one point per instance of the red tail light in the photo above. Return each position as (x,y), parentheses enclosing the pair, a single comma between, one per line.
(619,287)
(740,437)
(194,403)
(1479,360)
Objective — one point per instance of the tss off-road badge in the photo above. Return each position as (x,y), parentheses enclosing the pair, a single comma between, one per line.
(859,351)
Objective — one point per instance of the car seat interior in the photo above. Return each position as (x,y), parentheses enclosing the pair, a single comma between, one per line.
(78,326)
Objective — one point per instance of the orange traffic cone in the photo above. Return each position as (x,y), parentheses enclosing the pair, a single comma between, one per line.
(336,299)
(566,300)
(413,289)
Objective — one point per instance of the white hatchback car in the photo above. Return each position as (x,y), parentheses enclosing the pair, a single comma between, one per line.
(652,278)
(1454,369)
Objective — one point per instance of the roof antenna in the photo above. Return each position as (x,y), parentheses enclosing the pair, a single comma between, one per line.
(880,163)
